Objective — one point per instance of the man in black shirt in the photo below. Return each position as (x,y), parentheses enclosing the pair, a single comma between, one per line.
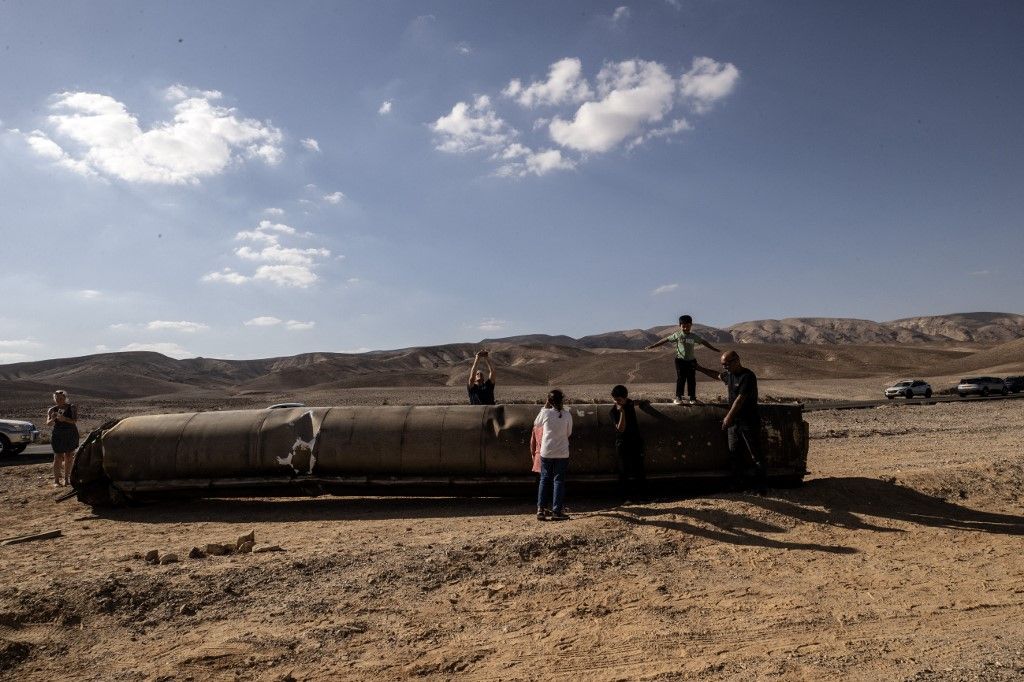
(742,422)
(481,392)
(629,446)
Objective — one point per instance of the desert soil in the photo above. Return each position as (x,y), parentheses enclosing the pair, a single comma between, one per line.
(898,559)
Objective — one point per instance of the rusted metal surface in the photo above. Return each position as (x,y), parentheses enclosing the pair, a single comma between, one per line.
(471,448)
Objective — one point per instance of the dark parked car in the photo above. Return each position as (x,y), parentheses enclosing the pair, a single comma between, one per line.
(1014,384)
(980,386)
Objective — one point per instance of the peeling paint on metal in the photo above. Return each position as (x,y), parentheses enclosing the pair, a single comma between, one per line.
(306,432)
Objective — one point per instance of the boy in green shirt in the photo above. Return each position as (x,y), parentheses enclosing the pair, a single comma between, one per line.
(686,361)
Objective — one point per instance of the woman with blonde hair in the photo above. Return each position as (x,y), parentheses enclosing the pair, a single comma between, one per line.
(555,425)
(63,416)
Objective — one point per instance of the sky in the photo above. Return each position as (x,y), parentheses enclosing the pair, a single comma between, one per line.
(243,180)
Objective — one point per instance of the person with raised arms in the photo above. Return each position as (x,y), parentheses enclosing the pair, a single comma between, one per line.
(686,360)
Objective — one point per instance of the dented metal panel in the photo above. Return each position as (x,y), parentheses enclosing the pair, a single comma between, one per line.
(324,448)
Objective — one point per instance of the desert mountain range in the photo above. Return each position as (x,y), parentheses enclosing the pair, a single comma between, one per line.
(940,329)
(836,348)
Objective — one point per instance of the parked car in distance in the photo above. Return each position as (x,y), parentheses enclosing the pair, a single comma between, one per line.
(1014,384)
(980,386)
(909,388)
(16,435)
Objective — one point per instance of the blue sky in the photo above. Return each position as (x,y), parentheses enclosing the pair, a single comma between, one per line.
(256,179)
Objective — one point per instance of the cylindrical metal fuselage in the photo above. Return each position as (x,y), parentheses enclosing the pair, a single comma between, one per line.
(432,446)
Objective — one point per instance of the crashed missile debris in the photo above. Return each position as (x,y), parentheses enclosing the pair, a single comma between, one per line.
(410,450)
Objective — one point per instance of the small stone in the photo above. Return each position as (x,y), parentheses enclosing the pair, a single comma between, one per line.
(216,549)
(245,548)
(260,549)
(153,556)
(186,610)
(196,553)
(169,558)
(249,537)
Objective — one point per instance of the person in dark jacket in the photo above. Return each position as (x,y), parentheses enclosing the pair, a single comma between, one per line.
(742,422)
(629,446)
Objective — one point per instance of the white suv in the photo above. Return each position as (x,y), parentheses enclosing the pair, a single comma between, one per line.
(910,388)
(981,386)
(15,436)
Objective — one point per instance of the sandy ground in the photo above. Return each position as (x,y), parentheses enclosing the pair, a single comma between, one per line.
(899,559)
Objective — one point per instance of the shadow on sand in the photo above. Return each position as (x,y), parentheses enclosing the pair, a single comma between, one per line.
(26,458)
(840,502)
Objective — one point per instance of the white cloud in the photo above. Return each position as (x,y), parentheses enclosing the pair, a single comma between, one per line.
(621,14)
(385,107)
(334,197)
(633,93)
(288,266)
(469,127)
(226,275)
(201,140)
(297,326)
(706,82)
(88,294)
(180,326)
(301,276)
(275,253)
(546,161)
(664,289)
(528,162)
(276,227)
(172,350)
(274,211)
(676,126)
(121,326)
(18,343)
(9,358)
(265,321)
(630,104)
(353,280)
(564,84)
(310,144)
(492,324)
(101,348)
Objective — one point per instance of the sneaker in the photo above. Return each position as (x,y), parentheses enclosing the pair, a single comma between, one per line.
(559,516)
(677,401)
(542,514)
(692,401)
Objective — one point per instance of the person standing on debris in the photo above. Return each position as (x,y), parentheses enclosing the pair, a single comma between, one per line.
(556,422)
(742,422)
(481,392)
(686,360)
(63,416)
(629,446)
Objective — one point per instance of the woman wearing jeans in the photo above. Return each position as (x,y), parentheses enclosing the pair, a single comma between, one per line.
(556,423)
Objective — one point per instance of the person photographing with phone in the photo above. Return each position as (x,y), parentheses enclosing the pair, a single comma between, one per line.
(481,391)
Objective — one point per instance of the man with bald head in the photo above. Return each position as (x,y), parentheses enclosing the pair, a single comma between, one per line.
(742,422)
